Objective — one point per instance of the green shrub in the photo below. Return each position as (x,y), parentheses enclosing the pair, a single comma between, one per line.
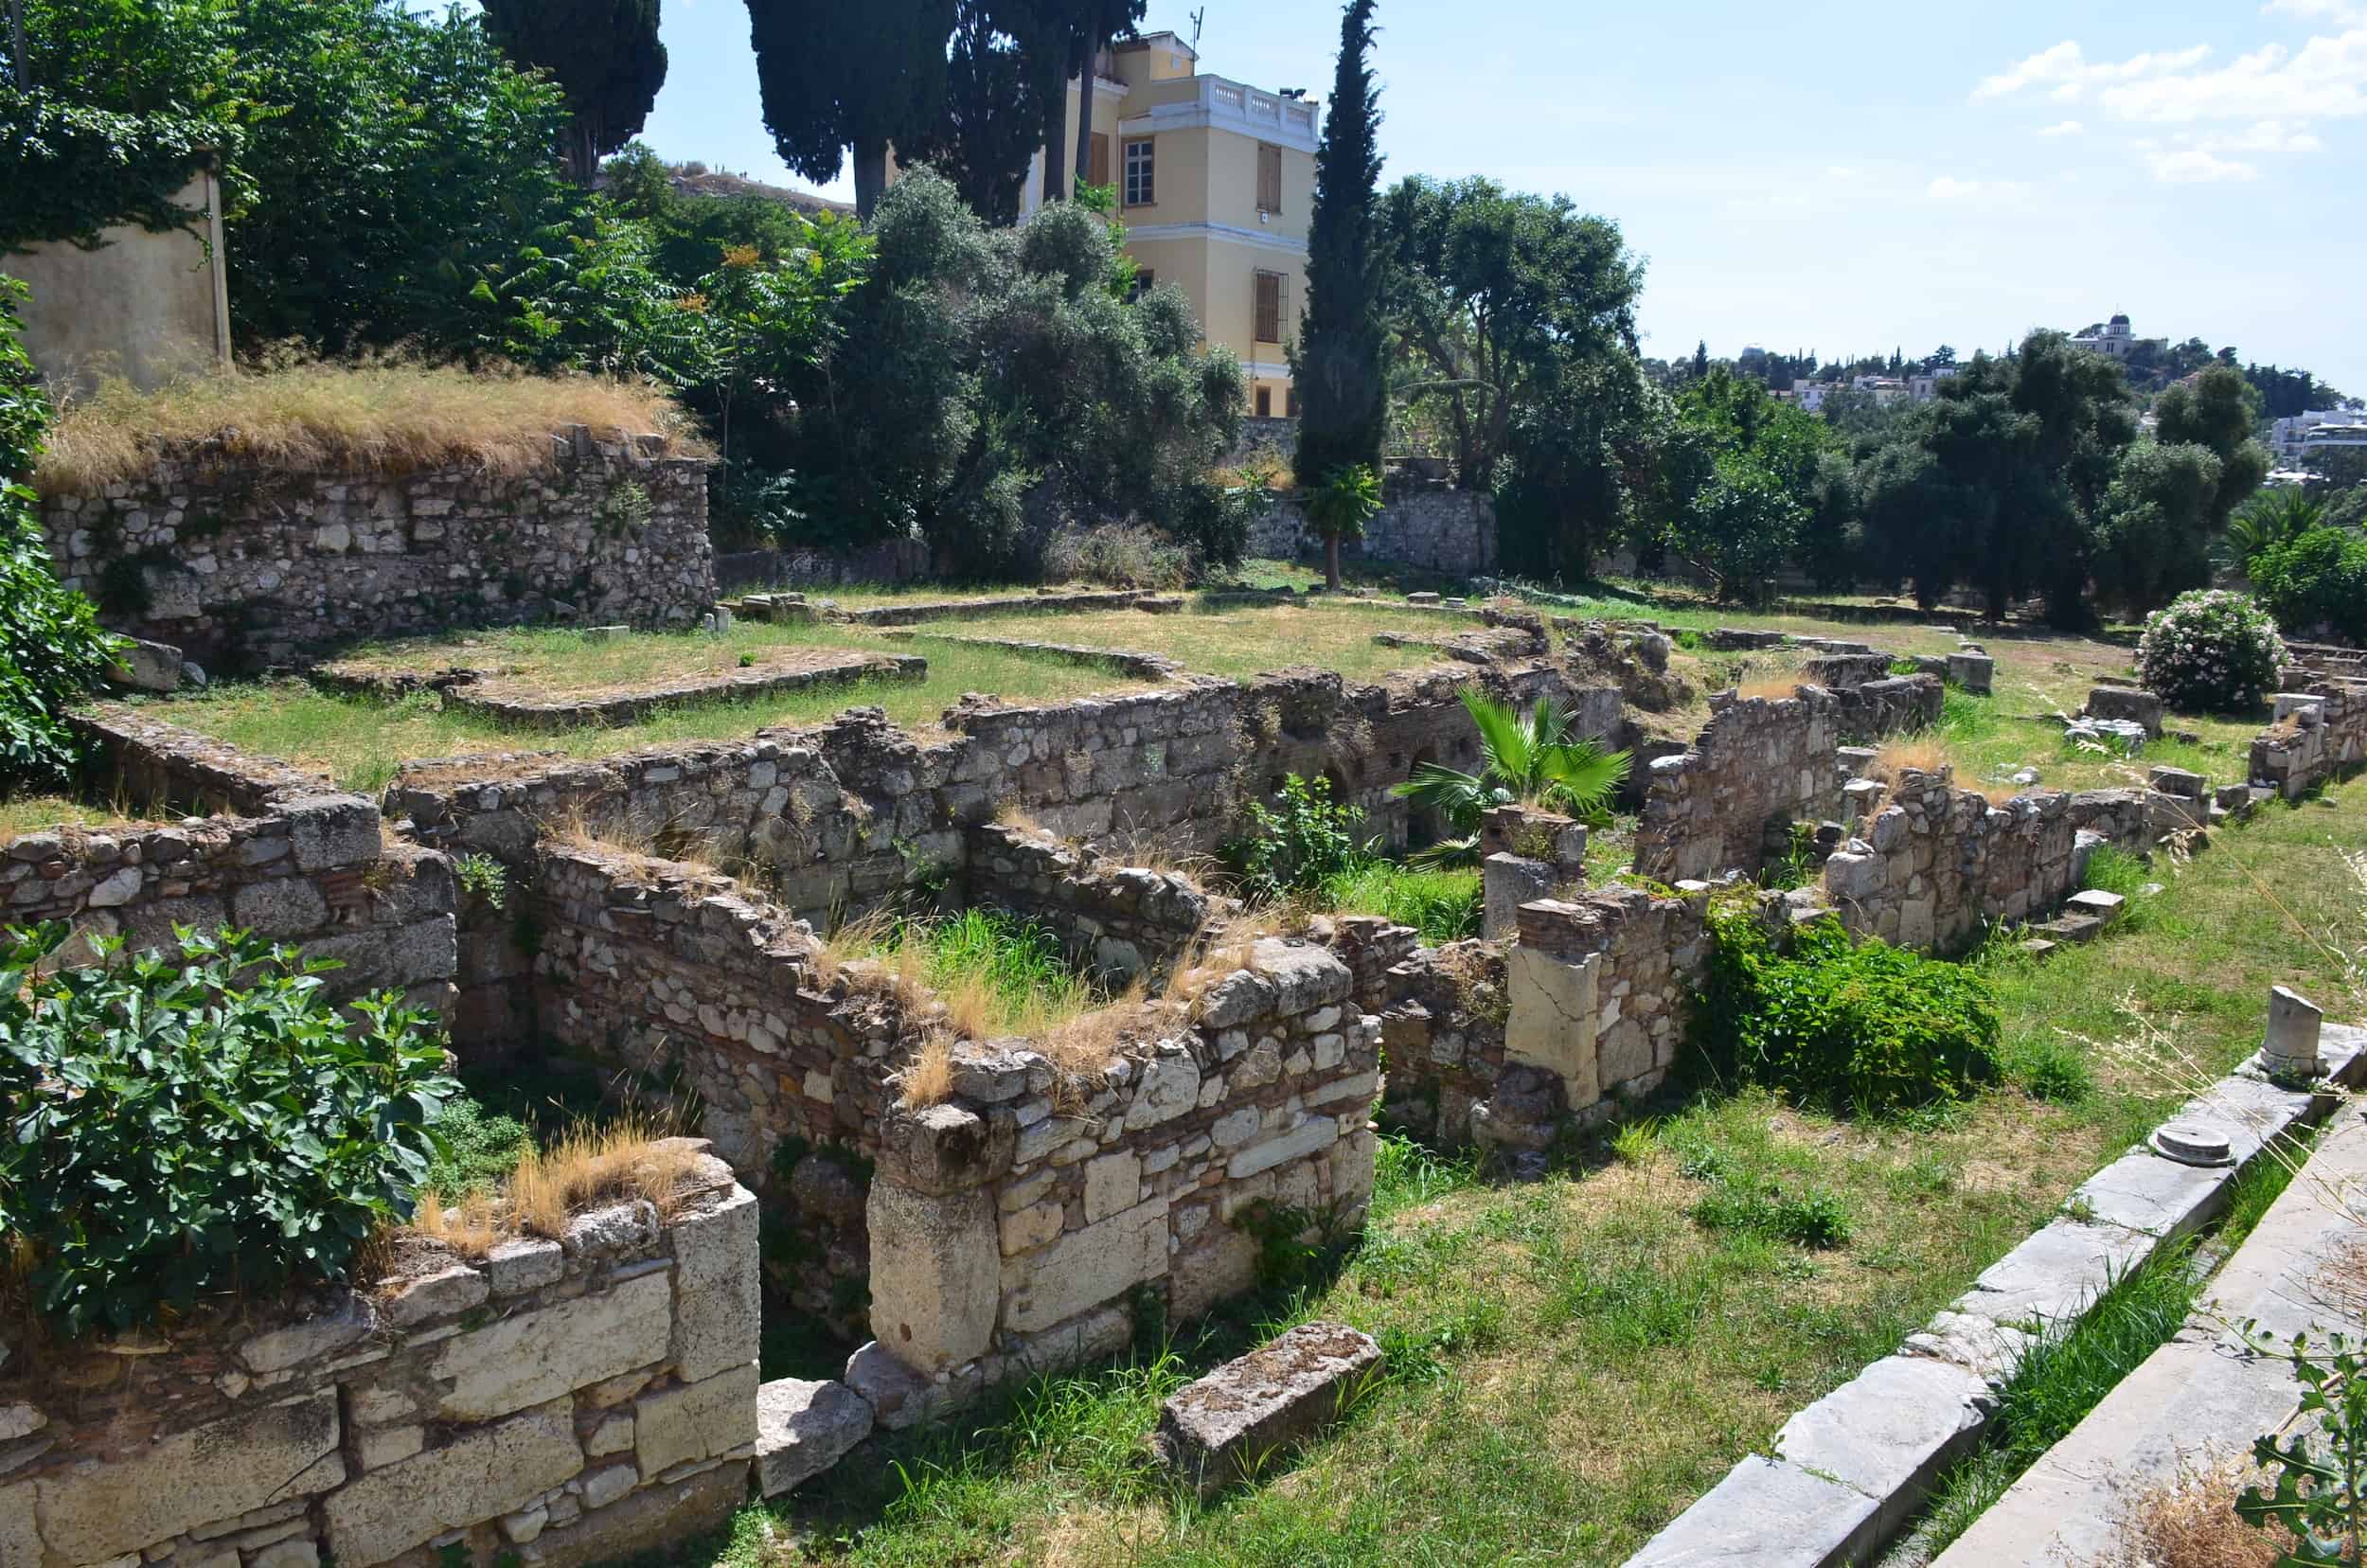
(1861,1025)
(2211,651)
(51,647)
(1118,555)
(1297,845)
(177,1128)
(1442,905)
(476,1150)
(2316,579)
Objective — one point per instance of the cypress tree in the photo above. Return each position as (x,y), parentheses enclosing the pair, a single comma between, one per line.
(1340,362)
(605,56)
(833,74)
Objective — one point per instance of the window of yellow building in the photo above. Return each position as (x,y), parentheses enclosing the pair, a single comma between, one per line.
(1138,183)
(1272,288)
(1269,177)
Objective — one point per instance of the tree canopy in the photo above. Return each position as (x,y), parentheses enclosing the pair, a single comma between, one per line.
(833,75)
(1339,364)
(605,56)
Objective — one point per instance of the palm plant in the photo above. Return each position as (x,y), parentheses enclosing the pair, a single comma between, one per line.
(1349,498)
(1530,759)
(2271,518)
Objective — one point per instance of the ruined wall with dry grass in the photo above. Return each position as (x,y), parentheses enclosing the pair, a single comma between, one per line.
(1115,918)
(585,1394)
(239,561)
(2316,741)
(1034,1216)
(1936,864)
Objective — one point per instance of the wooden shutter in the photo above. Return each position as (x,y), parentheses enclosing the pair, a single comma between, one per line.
(1099,173)
(1269,310)
(1269,178)
(1265,402)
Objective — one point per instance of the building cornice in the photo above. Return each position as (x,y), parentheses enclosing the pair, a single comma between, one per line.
(1262,239)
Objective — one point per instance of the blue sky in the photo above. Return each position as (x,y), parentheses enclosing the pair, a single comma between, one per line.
(1842,178)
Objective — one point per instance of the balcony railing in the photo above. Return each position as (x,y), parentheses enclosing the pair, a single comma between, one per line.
(1291,117)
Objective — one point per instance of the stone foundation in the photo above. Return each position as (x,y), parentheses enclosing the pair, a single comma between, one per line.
(243,566)
(564,1402)
(2313,741)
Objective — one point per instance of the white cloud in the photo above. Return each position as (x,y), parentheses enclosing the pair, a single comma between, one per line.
(2070,73)
(2063,128)
(2325,79)
(2194,165)
(2266,137)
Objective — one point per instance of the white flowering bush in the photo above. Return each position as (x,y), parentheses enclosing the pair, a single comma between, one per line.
(2212,650)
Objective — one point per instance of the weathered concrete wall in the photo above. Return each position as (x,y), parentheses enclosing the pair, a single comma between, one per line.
(146,307)
(2313,741)
(236,564)
(1019,1226)
(302,866)
(1759,765)
(572,1399)
(1430,525)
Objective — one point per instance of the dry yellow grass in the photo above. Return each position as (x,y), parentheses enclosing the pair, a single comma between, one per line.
(590,1166)
(2191,1523)
(1896,759)
(381,417)
(1772,686)
(927,1076)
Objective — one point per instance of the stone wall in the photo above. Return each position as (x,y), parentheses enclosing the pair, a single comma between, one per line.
(837,818)
(244,566)
(306,866)
(1118,920)
(2312,741)
(1441,1012)
(1019,1226)
(1601,988)
(1758,766)
(563,1400)
(1420,524)
(1936,864)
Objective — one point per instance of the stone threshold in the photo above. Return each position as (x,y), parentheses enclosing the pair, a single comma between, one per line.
(1852,1469)
(2201,1399)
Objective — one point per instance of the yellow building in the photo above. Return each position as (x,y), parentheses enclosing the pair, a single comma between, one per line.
(1215,182)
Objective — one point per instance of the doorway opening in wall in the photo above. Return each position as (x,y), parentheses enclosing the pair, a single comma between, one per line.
(1265,402)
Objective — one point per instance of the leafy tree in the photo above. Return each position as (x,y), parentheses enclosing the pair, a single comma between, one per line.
(1339,364)
(1580,457)
(1735,479)
(833,74)
(2316,579)
(1492,294)
(689,234)
(604,54)
(2218,411)
(1530,759)
(2155,527)
(1700,357)
(1338,508)
(993,119)
(51,649)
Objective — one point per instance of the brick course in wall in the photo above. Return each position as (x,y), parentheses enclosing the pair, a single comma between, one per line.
(563,1400)
(241,566)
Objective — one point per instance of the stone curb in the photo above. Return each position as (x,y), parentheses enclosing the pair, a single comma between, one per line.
(1856,1464)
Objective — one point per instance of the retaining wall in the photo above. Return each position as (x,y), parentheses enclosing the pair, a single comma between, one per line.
(1425,525)
(240,564)
(303,866)
(1117,919)
(562,1401)
(1016,1227)
(1937,863)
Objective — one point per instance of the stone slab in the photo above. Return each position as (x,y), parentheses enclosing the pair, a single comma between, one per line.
(1087,1267)
(1220,1429)
(1767,1514)
(719,1304)
(936,1273)
(691,1422)
(2056,1274)
(803,1429)
(209,1473)
(515,1362)
(488,1472)
(1890,1431)
(2148,1192)
(1553,1019)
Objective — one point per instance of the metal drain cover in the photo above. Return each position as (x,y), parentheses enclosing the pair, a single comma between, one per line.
(2193,1142)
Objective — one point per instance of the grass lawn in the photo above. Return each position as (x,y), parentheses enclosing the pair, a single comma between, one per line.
(32,813)
(1577,1359)
(1240,642)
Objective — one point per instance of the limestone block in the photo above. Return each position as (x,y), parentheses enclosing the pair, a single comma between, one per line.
(1304,976)
(627,1227)
(803,1429)
(1890,1431)
(1113,1182)
(277,1349)
(20,1541)
(537,1356)
(215,1472)
(1218,1430)
(1767,1514)
(290,906)
(1171,1086)
(699,1420)
(1553,1019)
(1084,1269)
(148,666)
(487,1471)
(719,1302)
(937,1271)
(1031,1227)
(294,1552)
(1304,1139)
(523,1263)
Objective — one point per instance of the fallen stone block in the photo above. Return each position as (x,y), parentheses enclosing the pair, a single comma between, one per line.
(1224,1427)
(2094,902)
(148,666)
(803,1429)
